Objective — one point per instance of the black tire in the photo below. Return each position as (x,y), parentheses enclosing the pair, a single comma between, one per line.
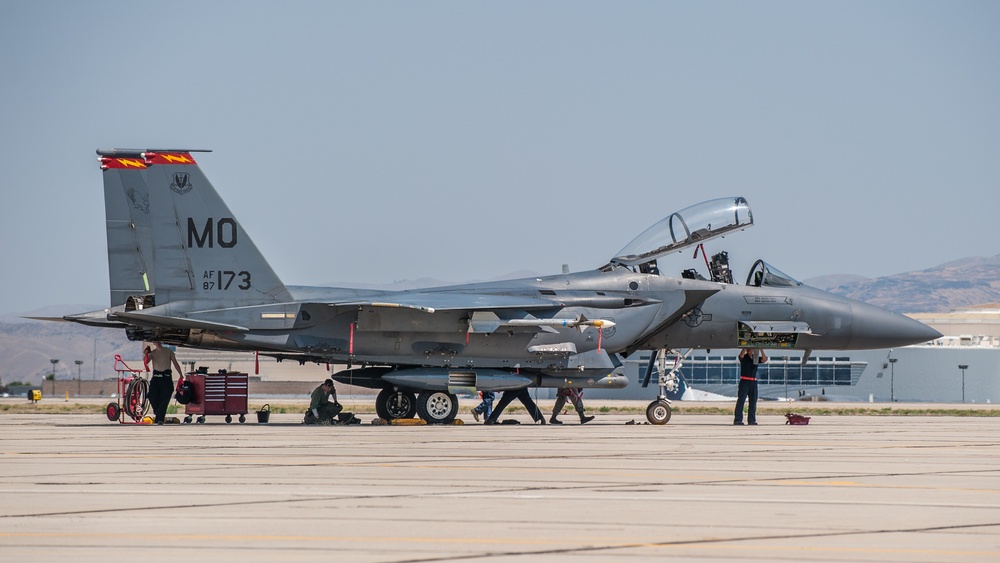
(391,404)
(437,407)
(658,412)
(229,418)
(243,418)
(113,411)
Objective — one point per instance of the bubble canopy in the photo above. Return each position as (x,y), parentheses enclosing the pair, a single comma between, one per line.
(685,228)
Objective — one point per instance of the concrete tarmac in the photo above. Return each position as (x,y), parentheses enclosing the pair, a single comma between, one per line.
(843,488)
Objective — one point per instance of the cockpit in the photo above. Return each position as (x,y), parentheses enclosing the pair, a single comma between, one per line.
(764,274)
(692,227)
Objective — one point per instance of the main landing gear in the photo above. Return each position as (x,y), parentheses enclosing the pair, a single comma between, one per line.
(392,404)
(434,407)
(437,407)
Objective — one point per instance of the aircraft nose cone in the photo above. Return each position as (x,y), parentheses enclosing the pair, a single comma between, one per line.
(875,327)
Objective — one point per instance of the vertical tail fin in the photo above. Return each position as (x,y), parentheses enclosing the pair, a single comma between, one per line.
(126,205)
(200,252)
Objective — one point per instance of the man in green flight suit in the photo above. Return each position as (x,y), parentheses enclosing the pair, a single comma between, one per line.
(321,409)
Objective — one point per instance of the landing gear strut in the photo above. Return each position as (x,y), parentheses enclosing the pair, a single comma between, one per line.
(658,412)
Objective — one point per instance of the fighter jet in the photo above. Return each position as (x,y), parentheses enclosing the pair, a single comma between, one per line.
(184,271)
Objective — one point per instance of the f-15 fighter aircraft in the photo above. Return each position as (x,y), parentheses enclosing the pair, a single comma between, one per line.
(184,271)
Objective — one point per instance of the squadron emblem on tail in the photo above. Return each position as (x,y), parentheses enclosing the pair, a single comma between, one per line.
(181,183)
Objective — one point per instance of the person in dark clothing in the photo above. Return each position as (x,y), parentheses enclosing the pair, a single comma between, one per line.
(322,409)
(522,395)
(161,385)
(574,396)
(750,358)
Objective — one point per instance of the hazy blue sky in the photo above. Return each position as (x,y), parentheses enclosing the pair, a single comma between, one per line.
(378,141)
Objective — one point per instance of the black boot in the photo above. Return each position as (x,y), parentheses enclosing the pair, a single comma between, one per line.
(554,420)
(585,419)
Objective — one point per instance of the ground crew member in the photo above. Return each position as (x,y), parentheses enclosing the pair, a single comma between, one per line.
(161,386)
(750,358)
(575,396)
(322,409)
(522,395)
(486,406)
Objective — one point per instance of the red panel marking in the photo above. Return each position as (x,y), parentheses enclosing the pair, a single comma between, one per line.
(169,158)
(122,163)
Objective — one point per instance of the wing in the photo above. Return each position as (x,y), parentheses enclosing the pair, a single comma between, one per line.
(430,302)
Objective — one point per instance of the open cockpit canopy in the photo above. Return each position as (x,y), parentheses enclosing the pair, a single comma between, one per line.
(688,227)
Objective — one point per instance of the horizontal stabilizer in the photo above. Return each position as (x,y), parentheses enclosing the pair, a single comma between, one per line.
(145,319)
(99,321)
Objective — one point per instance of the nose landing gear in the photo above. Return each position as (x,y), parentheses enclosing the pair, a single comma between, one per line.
(658,412)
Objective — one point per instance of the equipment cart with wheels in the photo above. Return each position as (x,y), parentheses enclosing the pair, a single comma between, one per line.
(132,388)
(222,393)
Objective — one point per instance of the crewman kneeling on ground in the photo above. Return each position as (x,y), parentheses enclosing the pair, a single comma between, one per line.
(324,408)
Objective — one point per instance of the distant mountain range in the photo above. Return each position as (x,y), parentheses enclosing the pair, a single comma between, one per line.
(27,346)
(953,285)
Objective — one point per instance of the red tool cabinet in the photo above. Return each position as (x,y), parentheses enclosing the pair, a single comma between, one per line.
(218,394)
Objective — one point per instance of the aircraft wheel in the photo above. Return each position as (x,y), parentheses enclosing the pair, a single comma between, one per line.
(391,404)
(658,412)
(437,407)
(113,411)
